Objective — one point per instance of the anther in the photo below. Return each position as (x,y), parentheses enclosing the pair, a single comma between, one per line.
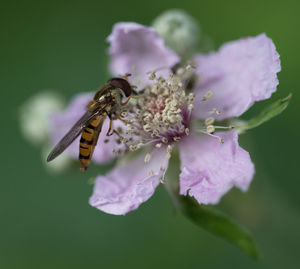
(190,107)
(218,112)
(209,121)
(210,129)
(132,147)
(147,158)
(124,114)
(164,140)
(168,156)
(187,131)
(207,96)
(158,145)
(152,75)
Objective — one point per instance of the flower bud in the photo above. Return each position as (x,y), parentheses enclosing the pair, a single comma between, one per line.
(179,30)
(34,116)
(60,164)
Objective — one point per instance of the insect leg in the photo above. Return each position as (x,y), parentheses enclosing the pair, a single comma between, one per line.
(126,102)
(119,118)
(109,133)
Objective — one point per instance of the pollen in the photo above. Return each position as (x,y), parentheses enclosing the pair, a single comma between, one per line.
(210,129)
(209,121)
(147,158)
(160,114)
(207,96)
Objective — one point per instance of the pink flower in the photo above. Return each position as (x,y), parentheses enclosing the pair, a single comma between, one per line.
(168,112)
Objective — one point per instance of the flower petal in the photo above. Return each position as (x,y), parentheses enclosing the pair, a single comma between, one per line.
(62,122)
(129,185)
(137,49)
(239,74)
(209,169)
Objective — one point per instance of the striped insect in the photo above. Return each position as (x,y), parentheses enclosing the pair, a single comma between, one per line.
(107,101)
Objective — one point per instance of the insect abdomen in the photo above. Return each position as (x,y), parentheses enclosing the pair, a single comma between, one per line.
(88,141)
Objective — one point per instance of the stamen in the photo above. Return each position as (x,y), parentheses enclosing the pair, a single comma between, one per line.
(207,96)
(168,156)
(221,140)
(218,112)
(210,129)
(209,121)
(230,127)
(152,75)
(132,147)
(176,138)
(124,114)
(164,140)
(162,179)
(190,107)
(147,158)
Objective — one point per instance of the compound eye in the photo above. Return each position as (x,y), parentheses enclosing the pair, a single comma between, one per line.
(122,84)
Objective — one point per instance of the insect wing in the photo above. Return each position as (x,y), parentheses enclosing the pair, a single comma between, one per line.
(72,134)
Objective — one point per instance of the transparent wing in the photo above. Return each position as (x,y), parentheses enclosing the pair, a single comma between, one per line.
(74,132)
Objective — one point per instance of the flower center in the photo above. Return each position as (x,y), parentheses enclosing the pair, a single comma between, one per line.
(160,114)
(157,105)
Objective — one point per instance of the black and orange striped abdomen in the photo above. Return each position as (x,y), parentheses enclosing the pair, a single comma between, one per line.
(88,141)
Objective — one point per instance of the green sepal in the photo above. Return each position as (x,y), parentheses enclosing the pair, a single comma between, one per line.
(268,113)
(207,217)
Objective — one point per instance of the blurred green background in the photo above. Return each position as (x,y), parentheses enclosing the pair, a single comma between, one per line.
(46,221)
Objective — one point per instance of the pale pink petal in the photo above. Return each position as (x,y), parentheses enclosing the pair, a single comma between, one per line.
(138,49)
(62,122)
(239,74)
(209,169)
(129,185)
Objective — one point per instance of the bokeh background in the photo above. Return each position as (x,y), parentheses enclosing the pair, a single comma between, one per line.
(45,219)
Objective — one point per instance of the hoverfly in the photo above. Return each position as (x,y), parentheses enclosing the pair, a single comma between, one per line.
(106,102)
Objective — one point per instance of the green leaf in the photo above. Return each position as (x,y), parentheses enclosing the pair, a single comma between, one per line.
(268,113)
(219,224)
(207,217)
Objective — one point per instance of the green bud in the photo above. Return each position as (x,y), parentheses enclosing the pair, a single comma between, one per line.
(34,116)
(59,165)
(180,32)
